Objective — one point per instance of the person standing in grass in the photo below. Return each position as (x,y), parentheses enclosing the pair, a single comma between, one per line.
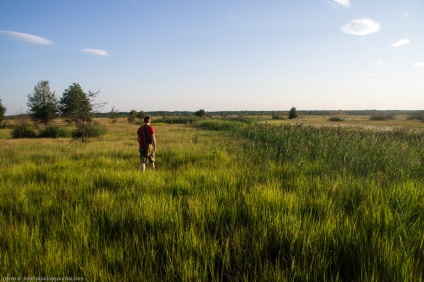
(146,137)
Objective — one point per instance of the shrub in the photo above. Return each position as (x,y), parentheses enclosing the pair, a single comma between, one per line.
(90,130)
(243,119)
(23,131)
(276,115)
(336,119)
(23,127)
(132,116)
(200,113)
(383,117)
(179,120)
(55,131)
(416,117)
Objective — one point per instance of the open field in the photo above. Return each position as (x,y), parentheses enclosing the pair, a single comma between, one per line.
(230,201)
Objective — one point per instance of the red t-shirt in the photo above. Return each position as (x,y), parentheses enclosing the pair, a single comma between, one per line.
(149,131)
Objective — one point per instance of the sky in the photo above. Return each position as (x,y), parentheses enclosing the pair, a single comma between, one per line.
(216,55)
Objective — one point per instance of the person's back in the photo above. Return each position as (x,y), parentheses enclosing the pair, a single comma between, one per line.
(146,137)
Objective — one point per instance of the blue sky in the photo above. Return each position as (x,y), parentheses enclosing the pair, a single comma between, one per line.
(217,54)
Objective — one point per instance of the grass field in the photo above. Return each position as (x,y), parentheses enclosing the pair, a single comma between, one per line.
(229,201)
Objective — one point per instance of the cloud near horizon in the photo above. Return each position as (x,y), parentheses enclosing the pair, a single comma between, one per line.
(25,37)
(361,27)
(97,52)
(401,42)
(344,3)
(420,64)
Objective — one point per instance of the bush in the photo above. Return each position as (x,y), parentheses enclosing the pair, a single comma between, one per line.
(55,131)
(278,116)
(200,113)
(243,119)
(336,119)
(416,117)
(293,113)
(23,128)
(23,131)
(179,120)
(90,130)
(383,117)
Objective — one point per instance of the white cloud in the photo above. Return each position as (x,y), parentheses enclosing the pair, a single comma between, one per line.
(361,27)
(379,64)
(97,52)
(25,37)
(420,64)
(401,42)
(344,3)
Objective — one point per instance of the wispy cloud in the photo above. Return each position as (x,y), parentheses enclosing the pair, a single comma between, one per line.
(337,3)
(401,42)
(25,37)
(361,27)
(420,64)
(379,64)
(97,52)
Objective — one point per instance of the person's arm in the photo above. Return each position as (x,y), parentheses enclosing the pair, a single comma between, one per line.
(138,136)
(154,141)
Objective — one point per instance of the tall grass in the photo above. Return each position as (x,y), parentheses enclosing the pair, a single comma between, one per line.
(253,202)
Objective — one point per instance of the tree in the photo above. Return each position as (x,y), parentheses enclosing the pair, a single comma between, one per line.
(77,106)
(42,103)
(200,113)
(293,113)
(132,116)
(2,111)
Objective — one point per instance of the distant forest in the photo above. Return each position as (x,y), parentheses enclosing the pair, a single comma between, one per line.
(262,113)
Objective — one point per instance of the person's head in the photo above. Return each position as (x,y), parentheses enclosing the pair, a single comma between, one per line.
(147,119)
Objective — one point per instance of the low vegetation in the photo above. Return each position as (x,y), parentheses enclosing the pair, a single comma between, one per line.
(335,118)
(230,201)
(377,117)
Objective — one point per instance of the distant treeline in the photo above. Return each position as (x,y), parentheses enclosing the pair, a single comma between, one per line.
(261,113)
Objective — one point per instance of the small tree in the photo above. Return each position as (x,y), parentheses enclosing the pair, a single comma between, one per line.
(75,105)
(2,111)
(42,103)
(132,116)
(78,107)
(293,113)
(200,113)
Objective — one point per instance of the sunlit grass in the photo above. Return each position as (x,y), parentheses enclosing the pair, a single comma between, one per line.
(251,203)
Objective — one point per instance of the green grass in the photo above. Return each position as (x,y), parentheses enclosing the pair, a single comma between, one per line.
(242,202)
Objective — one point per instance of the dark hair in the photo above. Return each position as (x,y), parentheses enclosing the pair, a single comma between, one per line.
(147,119)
